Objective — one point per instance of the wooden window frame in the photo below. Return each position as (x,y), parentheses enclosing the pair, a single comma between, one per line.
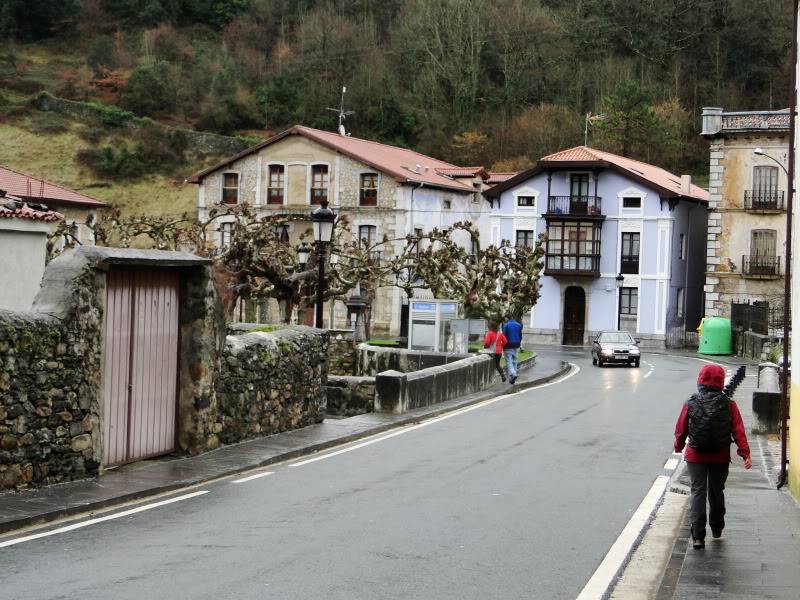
(319,193)
(529,201)
(370,240)
(226,190)
(625,296)
(368,196)
(276,194)
(629,262)
(638,200)
(529,238)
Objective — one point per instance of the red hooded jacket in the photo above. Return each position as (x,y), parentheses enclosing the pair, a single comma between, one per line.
(712,376)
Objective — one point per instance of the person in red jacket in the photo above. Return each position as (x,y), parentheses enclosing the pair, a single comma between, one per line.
(495,341)
(708,468)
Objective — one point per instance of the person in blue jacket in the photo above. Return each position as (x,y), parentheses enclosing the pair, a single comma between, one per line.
(512,329)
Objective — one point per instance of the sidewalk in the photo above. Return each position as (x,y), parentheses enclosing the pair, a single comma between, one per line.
(759,553)
(152,477)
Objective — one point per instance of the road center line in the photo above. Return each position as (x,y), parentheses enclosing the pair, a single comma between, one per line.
(88,522)
(652,368)
(251,477)
(603,577)
(575,369)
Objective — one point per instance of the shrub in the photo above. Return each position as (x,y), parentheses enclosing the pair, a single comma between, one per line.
(93,135)
(47,123)
(148,90)
(110,162)
(112,116)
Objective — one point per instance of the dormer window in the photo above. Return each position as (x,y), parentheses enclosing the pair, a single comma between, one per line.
(230,188)
(276,180)
(368,192)
(319,184)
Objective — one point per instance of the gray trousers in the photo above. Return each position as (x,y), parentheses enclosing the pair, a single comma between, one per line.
(708,481)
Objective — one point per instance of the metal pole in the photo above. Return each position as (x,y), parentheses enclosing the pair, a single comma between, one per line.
(320,284)
(787,279)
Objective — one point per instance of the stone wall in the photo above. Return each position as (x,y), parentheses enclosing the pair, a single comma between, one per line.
(755,346)
(270,382)
(349,396)
(342,352)
(49,389)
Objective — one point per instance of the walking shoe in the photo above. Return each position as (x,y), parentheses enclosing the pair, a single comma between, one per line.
(513,380)
(716,533)
(698,544)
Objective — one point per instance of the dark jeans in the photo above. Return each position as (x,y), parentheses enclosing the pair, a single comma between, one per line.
(708,479)
(497,358)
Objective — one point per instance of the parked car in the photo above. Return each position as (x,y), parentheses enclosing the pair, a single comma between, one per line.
(618,347)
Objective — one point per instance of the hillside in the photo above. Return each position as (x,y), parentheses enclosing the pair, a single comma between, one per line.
(495,83)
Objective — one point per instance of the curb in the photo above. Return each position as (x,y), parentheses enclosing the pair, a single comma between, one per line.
(90,507)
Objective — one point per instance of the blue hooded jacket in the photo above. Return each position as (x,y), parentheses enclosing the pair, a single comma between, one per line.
(512,329)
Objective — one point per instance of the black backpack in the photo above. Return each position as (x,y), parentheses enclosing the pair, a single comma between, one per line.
(709,421)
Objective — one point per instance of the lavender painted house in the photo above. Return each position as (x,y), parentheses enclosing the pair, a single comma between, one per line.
(625,249)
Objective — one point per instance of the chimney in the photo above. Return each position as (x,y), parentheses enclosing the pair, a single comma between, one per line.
(686,184)
(712,121)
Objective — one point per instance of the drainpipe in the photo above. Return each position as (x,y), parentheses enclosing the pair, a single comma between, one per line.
(686,274)
(787,286)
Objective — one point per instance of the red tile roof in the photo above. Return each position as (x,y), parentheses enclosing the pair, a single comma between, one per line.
(656,175)
(497,177)
(32,188)
(668,184)
(406,166)
(15,208)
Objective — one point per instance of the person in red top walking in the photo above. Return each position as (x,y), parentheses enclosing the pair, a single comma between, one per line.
(709,419)
(495,341)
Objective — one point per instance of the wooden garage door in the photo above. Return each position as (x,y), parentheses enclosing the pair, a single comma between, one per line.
(141,362)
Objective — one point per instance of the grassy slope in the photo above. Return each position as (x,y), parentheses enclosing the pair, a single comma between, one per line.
(52,157)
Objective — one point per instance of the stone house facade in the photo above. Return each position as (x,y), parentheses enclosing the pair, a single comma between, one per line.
(747,204)
(382,190)
(625,247)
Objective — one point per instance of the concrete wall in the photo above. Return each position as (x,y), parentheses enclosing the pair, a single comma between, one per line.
(372,360)
(23,244)
(398,392)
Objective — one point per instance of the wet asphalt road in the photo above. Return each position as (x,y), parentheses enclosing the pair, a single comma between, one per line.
(521,498)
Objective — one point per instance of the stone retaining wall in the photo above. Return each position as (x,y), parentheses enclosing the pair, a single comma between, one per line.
(49,390)
(270,382)
(342,352)
(349,396)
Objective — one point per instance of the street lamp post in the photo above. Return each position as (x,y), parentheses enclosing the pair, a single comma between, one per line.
(322,220)
(787,285)
(620,279)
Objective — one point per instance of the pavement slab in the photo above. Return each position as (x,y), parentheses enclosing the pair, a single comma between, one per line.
(152,477)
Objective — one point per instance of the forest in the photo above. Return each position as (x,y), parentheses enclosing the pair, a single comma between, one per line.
(498,83)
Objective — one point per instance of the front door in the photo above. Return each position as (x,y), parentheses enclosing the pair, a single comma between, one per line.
(574,315)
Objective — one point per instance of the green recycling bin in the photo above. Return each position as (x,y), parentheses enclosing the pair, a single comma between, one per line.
(715,336)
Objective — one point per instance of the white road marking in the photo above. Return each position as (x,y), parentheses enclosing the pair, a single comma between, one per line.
(251,477)
(118,515)
(603,577)
(649,372)
(671,464)
(575,369)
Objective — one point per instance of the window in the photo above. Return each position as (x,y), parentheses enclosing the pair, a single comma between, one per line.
(629,262)
(225,235)
(275,189)
(367,234)
(230,188)
(446,204)
(526,201)
(762,242)
(475,247)
(525,238)
(628,301)
(573,246)
(368,194)
(579,185)
(632,202)
(682,247)
(765,181)
(282,232)
(679,302)
(319,184)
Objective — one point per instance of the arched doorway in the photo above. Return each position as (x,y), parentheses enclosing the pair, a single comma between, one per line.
(574,315)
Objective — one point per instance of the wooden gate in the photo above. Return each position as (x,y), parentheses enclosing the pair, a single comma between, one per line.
(574,316)
(141,364)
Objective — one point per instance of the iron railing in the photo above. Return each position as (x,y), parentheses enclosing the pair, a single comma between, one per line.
(761,266)
(764,200)
(574,205)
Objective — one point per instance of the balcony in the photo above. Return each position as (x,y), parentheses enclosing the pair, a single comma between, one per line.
(580,259)
(764,201)
(761,267)
(578,206)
